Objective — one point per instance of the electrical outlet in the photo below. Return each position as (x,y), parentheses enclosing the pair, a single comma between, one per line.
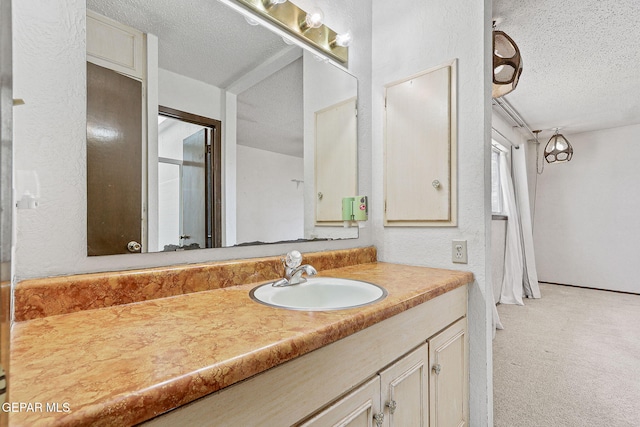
(459,251)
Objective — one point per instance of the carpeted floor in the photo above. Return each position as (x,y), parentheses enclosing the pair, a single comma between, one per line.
(571,358)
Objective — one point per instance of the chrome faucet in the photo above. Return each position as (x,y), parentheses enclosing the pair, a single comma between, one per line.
(293,270)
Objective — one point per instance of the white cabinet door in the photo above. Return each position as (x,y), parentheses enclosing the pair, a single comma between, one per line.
(405,390)
(448,376)
(357,409)
(420,149)
(336,159)
(116,46)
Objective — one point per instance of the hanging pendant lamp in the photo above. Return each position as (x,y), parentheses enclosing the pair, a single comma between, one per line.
(558,149)
(507,64)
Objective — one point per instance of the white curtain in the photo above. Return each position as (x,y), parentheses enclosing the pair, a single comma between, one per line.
(511,292)
(521,186)
(520,276)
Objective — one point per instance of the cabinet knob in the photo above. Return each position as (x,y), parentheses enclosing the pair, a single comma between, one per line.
(436,369)
(392,405)
(320,195)
(378,419)
(435,183)
(134,246)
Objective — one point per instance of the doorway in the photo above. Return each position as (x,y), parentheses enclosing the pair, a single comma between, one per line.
(189,181)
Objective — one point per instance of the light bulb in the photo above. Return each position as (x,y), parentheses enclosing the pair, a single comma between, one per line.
(343,39)
(315,18)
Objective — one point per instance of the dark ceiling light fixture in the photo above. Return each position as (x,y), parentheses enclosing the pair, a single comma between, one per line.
(558,149)
(507,64)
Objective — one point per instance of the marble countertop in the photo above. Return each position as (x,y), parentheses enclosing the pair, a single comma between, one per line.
(125,364)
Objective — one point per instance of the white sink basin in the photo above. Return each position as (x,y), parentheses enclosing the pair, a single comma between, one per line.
(319,294)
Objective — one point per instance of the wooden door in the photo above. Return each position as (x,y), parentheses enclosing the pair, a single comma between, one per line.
(448,383)
(405,390)
(336,163)
(194,189)
(114,161)
(357,409)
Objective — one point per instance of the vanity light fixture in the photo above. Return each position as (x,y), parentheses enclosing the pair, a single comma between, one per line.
(305,26)
(507,64)
(558,149)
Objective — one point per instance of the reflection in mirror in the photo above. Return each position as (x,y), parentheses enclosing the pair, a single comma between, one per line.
(188,184)
(264,95)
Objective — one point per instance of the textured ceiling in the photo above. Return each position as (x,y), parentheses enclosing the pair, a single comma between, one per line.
(581,62)
(208,41)
(270,113)
(202,39)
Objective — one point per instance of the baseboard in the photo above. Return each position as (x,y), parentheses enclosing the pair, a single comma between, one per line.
(586,287)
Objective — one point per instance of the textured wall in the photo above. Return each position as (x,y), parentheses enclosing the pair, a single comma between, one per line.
(586,215)
(270,207)
(50,72)
(409,37)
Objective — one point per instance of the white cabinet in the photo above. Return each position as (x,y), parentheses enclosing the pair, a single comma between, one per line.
(405,390)
(396,397)
(420,149)
(448,383)
(336,169)
(426,387)
(115,46)
(357,409)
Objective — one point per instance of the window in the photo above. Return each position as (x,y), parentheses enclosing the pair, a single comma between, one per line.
(496,188)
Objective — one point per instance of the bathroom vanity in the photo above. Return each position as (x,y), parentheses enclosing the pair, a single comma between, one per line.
(216,357)
(408,370)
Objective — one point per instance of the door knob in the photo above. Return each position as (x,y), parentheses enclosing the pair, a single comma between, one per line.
(134,246)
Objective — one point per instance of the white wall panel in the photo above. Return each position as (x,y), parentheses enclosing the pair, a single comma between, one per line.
(586,214)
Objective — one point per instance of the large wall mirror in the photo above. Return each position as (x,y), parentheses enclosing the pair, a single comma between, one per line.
(204,130)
